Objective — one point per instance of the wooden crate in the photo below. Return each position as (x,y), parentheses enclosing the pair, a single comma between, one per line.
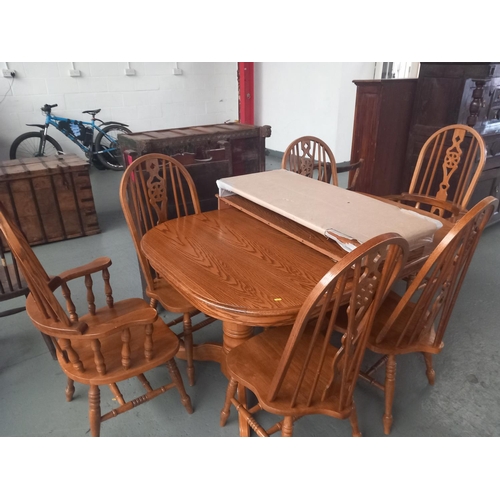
(49,198)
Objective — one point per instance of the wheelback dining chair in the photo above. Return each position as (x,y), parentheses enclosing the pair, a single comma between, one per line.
(297,371)
(110,344)
(156,188)
(446,173)
(417,321)
(307,154)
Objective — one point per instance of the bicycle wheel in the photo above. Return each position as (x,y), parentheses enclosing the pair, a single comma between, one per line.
(27,146)
(107,148)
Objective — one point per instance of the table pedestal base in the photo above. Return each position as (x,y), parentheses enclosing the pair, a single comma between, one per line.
(209,351)
(234,334)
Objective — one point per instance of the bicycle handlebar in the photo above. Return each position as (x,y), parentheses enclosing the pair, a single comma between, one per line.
(47,107)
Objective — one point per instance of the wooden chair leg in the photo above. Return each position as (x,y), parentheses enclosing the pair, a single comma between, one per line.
(188,345)
(431,374)
(50,344)
(70,390)
(177,379)
(390,383)
(353,418)
(230,392)
(287,429)
(95,410)
(243,420)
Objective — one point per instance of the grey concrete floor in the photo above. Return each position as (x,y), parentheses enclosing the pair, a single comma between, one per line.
(465,401)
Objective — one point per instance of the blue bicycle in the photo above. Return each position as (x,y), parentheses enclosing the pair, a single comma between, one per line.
(103,152)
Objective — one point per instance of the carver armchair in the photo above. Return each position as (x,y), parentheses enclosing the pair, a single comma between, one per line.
(103,346)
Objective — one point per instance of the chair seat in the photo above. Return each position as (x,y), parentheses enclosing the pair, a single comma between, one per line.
(165,342)
(389,343)
(254,364)
(169,297)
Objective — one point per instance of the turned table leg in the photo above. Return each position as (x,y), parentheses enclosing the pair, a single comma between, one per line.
(234,335)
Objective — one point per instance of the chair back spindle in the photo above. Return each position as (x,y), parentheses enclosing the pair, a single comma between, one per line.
(108,291)
(126,349)
(98,357)
(90,294)
(71,354)
(148,343)
(70,306)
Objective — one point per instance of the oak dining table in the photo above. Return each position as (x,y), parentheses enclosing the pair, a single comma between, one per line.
(246,266)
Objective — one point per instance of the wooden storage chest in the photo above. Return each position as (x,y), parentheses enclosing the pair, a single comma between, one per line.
(49,198)
(209,152)
(247,143)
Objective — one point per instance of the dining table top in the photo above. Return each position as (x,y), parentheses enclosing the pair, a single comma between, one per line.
(246,264)
(234,267)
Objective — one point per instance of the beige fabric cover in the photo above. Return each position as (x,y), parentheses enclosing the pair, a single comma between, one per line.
(329,209)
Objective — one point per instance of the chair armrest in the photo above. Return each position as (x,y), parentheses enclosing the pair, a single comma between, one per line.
(455,210)
(348,168)
(352,166)
(93,267)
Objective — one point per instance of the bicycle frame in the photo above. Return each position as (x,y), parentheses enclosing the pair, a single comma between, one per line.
(54,120)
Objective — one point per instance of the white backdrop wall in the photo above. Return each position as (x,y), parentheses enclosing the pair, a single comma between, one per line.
(317,99)
(293,98)
(153,99)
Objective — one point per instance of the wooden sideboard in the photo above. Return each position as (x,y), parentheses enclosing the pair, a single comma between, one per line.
(381,126)
(393,118)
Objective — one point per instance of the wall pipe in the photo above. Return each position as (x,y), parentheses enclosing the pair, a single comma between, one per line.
(246,96)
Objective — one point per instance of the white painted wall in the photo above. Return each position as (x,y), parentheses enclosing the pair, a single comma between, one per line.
(307,98)
(293,98)
(153,99)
